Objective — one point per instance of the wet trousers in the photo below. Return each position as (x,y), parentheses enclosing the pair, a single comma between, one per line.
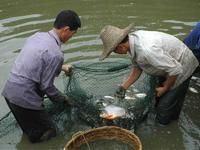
(168,106)
(36,124)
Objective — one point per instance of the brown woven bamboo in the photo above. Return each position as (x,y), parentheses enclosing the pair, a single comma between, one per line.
(104,133)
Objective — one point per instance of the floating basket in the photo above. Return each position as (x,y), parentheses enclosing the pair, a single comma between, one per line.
(104,133)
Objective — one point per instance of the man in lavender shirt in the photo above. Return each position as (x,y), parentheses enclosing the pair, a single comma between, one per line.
(33,73)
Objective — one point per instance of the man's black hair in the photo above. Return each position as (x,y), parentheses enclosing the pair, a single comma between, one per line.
(67,18)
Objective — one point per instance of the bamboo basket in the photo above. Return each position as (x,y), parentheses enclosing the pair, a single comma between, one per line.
(103,133)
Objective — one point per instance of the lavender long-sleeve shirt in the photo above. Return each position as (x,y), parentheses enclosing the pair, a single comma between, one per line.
(34,71)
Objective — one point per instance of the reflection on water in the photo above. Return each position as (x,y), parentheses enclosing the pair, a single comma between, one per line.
(7,29)
(176,22)
(4,38)
(20,19)
(190,131)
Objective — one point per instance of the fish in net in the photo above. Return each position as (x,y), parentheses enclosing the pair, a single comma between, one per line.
(91,88)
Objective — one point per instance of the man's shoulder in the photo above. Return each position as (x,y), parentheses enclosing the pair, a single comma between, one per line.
(148,33)
(38,34)
(41,39)
(37,37)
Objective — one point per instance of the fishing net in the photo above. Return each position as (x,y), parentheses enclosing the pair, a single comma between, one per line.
(7,124)
(91,88)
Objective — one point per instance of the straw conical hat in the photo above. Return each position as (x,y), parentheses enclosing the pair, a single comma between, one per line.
(111,36)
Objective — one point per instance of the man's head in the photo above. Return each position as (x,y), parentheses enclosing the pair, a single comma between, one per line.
(123,46)
(67,23)
(114,39)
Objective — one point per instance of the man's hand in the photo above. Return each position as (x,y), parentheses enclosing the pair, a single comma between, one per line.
(67,68)
(167,85)
(61,97)
(160,91)
(120,92)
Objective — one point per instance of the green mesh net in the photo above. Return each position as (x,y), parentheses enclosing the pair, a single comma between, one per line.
(91,88)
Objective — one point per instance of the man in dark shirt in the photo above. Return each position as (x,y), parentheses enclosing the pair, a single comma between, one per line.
(33,73)
(193,41)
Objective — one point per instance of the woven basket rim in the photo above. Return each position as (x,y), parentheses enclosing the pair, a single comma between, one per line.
(104,132)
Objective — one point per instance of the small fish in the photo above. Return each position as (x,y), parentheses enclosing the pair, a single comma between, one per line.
(193,90)
(109,97)
(112,112)
(194,78)
(128,97)
(140,95)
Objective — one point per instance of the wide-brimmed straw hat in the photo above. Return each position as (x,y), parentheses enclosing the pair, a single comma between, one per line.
(111,36)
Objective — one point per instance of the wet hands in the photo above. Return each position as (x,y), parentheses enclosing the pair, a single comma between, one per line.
(61,97)
(67,68)
(120,92)
(160,91)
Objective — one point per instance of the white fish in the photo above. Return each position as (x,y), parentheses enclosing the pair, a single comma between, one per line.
(140,95)
(128,97)
(193,90)
(194,78)
(109,97)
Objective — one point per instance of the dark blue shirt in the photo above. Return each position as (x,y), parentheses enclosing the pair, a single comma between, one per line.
(193,40)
